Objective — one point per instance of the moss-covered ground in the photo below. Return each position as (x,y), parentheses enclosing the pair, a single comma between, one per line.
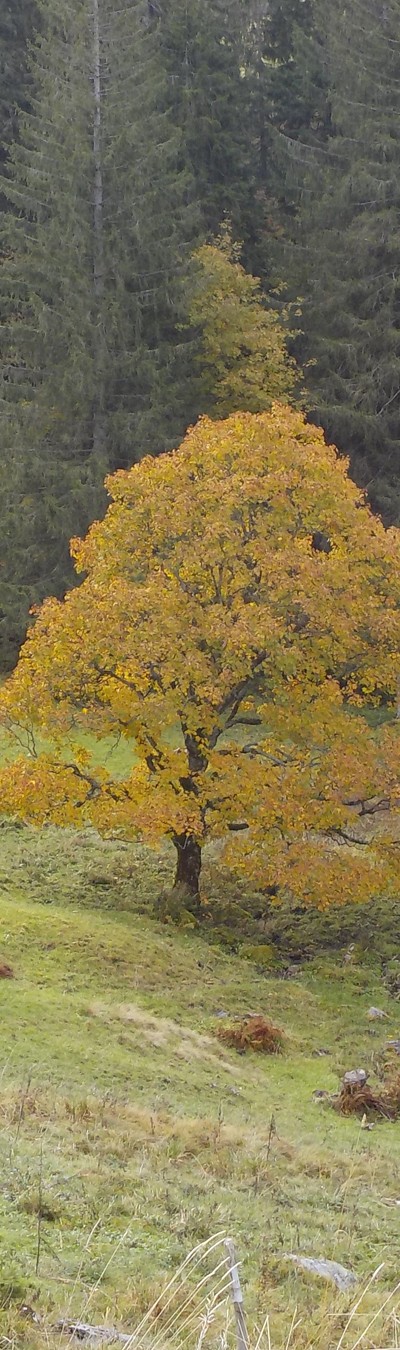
(129,1133)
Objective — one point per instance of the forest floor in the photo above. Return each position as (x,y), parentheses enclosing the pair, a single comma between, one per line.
(129,1133)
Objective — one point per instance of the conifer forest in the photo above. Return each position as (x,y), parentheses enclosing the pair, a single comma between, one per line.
(199,214)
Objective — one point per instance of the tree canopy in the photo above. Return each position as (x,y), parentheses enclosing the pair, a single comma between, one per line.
(243,361)
(240,607)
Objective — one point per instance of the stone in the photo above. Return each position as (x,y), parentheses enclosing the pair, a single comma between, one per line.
(355,1078)
(328,1270)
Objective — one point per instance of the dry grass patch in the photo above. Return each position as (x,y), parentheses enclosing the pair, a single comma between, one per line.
(165,1034)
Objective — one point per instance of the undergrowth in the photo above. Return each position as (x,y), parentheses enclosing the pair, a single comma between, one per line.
(72,867)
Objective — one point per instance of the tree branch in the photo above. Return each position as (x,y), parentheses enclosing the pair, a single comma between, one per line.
(243,722)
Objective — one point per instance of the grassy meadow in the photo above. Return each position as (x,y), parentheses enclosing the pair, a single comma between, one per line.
(129,1133)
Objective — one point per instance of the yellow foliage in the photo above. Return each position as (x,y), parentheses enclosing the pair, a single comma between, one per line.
(238,598)
(243,361)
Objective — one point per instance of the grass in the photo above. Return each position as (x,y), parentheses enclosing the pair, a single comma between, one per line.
(129,1133)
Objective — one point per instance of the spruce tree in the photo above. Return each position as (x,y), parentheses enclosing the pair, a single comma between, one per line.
(203,44)
(17,23)
(286,84)
(93,258)
(348,249)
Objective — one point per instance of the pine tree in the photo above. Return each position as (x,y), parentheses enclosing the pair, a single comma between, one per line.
(349,249)
(92,363)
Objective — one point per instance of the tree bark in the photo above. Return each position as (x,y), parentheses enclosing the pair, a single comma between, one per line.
(188,865)
(99,434)
(188,869)
(98,172)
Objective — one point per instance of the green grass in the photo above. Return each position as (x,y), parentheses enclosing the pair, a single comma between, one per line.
(149,1134)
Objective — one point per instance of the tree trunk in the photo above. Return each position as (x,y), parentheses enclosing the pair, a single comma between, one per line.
(99,435)
(188,865)
(188,868)
(98,172)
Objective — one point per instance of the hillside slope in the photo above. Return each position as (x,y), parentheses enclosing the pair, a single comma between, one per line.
(144,1135)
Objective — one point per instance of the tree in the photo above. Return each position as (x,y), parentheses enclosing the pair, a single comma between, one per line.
(17,23)
(240,607)
(93,371)
(202,44)
(348,248)
(242,359)
(286,88)
(245,83)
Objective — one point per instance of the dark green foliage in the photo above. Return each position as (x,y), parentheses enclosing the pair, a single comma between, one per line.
(290,69)
(244,80)
(203,44)
(287,87)
(17,22)
(93,367)
(348,249)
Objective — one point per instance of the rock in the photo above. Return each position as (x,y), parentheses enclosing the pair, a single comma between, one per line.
(26,1311)
(291,972)
(376,1012)
(329,1270)
(393,1045)
(355,1078)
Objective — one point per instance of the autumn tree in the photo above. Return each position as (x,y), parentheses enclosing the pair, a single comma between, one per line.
(242,358)
(239,610)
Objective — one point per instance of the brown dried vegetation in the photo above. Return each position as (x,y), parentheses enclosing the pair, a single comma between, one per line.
(253,1033)
(363,1101)
(6,973)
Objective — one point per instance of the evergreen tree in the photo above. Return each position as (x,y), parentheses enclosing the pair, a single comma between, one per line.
(287,90)
(348,255)
(93,370)
(203,44)
(17,22)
